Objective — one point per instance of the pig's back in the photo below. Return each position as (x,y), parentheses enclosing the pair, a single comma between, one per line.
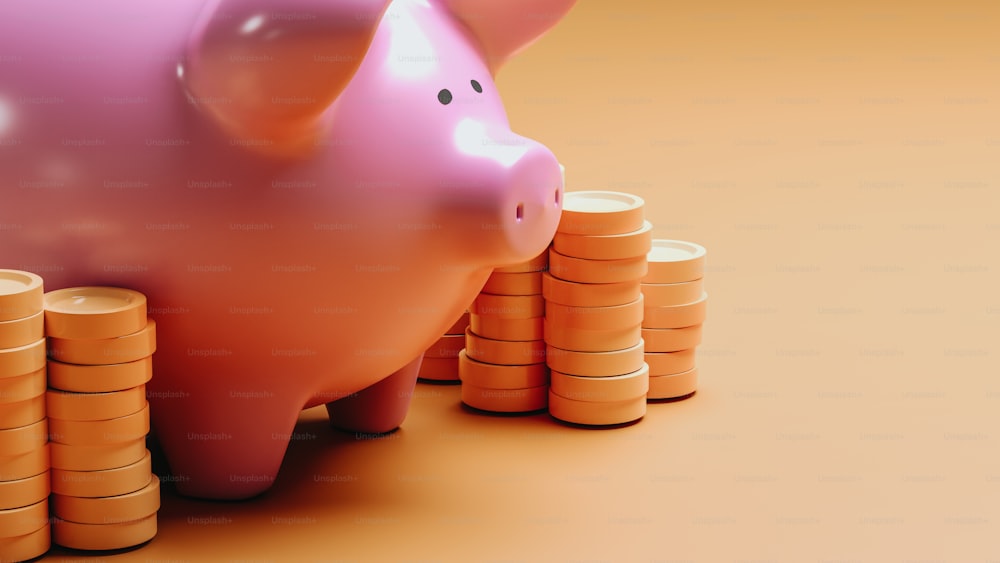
(97,71)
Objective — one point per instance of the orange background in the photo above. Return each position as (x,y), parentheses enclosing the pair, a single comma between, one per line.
(841,163)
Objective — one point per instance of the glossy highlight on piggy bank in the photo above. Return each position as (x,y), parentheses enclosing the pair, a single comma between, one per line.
(308,192)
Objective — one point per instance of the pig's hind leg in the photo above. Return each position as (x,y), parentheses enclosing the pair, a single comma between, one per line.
(379,408)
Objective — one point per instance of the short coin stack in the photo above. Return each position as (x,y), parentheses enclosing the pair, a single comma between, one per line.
(594,308)
(440,363)
(24,452)
(503,365)
(672,321)
(104,494)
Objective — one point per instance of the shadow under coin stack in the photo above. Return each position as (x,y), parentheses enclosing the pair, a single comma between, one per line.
(594,308)
(672,321)
(440,363)
(503,364)
(104,494)
(24,453)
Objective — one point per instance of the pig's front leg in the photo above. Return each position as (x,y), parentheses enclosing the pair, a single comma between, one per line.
(227,444)
(379,408)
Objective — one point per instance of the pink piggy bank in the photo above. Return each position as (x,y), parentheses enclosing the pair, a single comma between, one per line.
(309,192)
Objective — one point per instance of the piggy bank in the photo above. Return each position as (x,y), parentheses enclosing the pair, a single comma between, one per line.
(309,192)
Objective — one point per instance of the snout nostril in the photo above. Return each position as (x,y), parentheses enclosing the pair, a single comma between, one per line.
(557,196)
(519,213)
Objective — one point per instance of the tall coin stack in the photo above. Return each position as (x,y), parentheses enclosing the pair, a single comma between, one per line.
(440,363)
(594,308)
(105,495)
(24,452)
(672,321)
(503,365)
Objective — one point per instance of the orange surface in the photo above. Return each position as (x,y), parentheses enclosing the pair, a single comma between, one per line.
(839,161)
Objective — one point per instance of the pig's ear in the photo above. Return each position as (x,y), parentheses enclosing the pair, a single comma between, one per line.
(267,69)
(504,27)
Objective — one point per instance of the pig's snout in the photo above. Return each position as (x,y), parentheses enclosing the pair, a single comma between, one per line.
(520,208)
(532,214)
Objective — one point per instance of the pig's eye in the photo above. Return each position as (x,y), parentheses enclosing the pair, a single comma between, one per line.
(444,96)
(477,87)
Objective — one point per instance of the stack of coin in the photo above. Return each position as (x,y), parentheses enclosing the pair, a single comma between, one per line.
(440,363)
(104,494)
(672,321)
(24,451)
(503,364)
(594,308)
